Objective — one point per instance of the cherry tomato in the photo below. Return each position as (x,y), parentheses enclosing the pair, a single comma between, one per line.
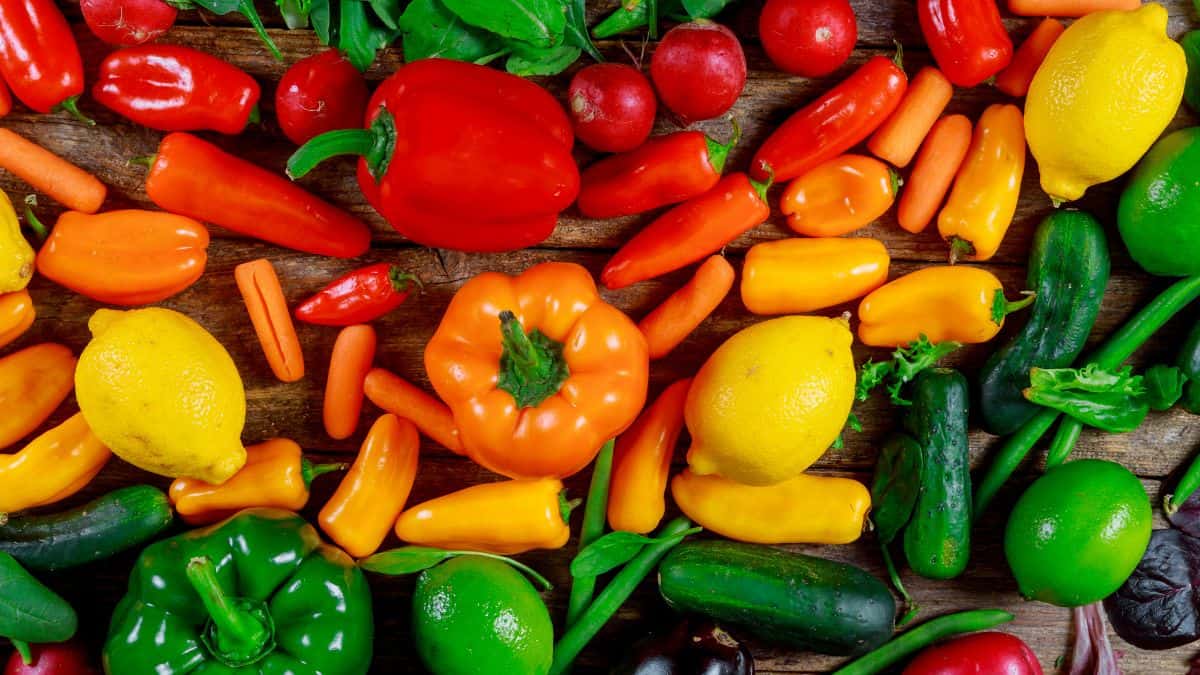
(320,93)
(64,658)
(126,23)
(699,70)
(808,37)
(612,107)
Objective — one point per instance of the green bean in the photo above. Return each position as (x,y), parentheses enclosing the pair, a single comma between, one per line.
(1064,442)
(1010,457)
(594,514)
(924,635)
(1188,483)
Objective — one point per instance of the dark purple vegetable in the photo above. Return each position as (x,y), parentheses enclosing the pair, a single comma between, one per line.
(694,647)
(1092,653)
(1158,607)
(1187,517)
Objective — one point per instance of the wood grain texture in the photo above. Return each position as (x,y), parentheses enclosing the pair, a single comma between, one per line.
(293,410)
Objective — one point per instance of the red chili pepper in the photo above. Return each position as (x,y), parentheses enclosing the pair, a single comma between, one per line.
(38,56)
(966,37)
(173,88)
(664,170)
(834,123)
(359,296)
(197,179)
(998,653)
(696,228)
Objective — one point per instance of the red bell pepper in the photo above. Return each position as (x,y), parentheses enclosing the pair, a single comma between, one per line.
(992,653)
(197,179)
(966,37)
(38,56)
(664,170)
(5,99)
(692,230)
(174,88)
(834,123)
(360,296)
(459,156)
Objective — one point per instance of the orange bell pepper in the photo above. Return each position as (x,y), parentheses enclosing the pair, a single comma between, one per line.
(125,258)
(508,517)
(275,475)
(642,463)
(984,197)
(33,383)
(538,371)
(369,499)
(839,196)
(268,310)
(793,276)
(16,315)
(944,302)
(54,466)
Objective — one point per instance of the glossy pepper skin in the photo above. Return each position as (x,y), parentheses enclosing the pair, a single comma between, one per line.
(16,255)
(538,371)
(832,124)
(991,653)
(642,463)
(176,88)
(275,475)
(798,275)
(967,38)
(208,601)
(359,296)
(16,315)
(33,383)
(839,196)
(126,258)
(51,467)
(39,59)
(507,517)
(197,179)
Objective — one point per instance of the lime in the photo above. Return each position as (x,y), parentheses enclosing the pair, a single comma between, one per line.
(477,615)
(1078,532)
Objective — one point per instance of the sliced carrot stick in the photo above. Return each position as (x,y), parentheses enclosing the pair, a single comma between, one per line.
(5,99)
(66,183)
(1014,80)
(901,134)
(272,321)
(403,399)
(668,324)
(940,157)
(1068,7)
(353,353)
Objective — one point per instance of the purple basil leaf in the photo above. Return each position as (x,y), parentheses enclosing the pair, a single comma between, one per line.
(1187,518)
(1158,606)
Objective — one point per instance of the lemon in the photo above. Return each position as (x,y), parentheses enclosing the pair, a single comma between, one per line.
(771,399)
(163,394)
(1107,89)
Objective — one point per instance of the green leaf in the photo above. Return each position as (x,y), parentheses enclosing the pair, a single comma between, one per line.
(704,9)
(219,7)
(615,549)
(896,486)
(525,61)
(1090,378)
(1164,386)
(295,12)
(906,363)
(541,23)
(324,22)
(358,37)
(412,559)
(854,424)
(577,32)
(388,11)
(871,375)
(431,30)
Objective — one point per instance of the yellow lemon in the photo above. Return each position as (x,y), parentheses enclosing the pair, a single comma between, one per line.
(163,394)
(771,400)
(1109,86)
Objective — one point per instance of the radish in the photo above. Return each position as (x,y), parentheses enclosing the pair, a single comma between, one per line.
(612,107)
(699,70)
(808,37)
(126,23)
(320,93)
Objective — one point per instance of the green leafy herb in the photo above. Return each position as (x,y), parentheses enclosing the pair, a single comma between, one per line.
(703,9)
(905,364)
(1113,401)
(1164,386)
(540,23)
(412,559)
(324,21)
(896,486)
(223,7)
(295,12)
(634,14)
(577,32)
(431,30)
(853,423)
(525,61)
(615,549)
(359,37)
(388,12)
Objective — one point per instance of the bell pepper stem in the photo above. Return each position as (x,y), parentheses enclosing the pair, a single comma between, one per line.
(960,248)
(32,220)
(71,105)
(22,648)
(567,506)
(145,160)
(718,153)
(402,281)
(1001,307)
(898,57)
(375,145)
(531,365)
(234,625)
(761,188)
(310,471)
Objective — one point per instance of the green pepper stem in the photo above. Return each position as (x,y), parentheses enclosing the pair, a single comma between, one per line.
(71,105)
(402,281)
(1001,307)
(959,249)
(374,144)
(761,188)
(718,153)
(310,471)
(531,365)
(145,160)
(32,220)
(234,625)
(594,514)
(898,57)
(629,15)
(255,115)
(567,506)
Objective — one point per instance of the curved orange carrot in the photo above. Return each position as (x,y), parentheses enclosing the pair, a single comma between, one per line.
(898,139)
(1014,80)
(272,322)
(66,183)
(353,353)
(403,399)
(668,324)
(938,161)
(1068,7)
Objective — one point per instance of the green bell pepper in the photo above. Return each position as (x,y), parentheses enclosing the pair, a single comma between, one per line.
(256,594)
(1159,213)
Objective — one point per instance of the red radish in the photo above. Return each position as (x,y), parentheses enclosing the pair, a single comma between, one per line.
(699,70)
(126,23)
(64,658)
(612,107)
(808,37)
(320,93)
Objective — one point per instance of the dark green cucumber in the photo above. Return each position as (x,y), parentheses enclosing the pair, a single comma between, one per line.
(937,540)
(797,600)
(1068,269)
(1189,364)
(97,530)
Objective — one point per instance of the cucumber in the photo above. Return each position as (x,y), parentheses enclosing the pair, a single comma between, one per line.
(1068,269)
(790,598)
(97,530)
(1189,364)
(937,540)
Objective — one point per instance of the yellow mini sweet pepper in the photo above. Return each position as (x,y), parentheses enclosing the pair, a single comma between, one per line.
(16,315)
(33,383)
(16,255)
(52,467)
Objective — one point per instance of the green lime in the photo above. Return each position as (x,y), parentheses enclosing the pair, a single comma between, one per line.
(1078,532)
(477,615)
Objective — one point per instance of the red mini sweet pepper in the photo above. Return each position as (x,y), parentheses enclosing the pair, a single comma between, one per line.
(360,296)
(38,56)
(966,37)
(993,653)
(459,156)
(174,88)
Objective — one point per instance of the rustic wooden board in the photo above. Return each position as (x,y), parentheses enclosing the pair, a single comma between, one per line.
(293,410)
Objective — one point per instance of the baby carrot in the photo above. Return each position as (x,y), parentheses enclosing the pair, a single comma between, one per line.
(1068,7)
(272,322)
(399,397)
(68,184)
(941,155)
(901,134)
(353,352)
(668,324)
(1014,80)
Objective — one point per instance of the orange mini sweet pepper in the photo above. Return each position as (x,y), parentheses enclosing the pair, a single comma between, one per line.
(642,463)
(33,383)
(275,475)
(839,196)
(16,315)
(538,371)
(793,276)
(944,302)
(508,517)
(54,466)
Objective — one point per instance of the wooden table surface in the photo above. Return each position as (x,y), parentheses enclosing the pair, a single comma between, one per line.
(293,410)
